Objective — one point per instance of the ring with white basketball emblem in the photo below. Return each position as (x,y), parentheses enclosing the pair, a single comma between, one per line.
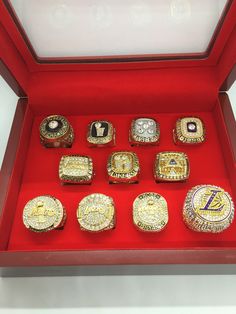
(55,132)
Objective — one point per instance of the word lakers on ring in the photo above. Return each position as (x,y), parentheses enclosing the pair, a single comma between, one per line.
(96,212)
(44,213)
(208,208)
(76,169)
(123,167)
(150,212)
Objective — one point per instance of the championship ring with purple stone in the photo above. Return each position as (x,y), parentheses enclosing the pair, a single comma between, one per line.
(189,130)
(171,167)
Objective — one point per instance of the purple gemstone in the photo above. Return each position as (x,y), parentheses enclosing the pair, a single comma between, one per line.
(172,162)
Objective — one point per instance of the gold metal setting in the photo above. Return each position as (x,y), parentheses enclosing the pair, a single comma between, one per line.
(189,130)
(76,169)
(123,167)
(171,167)
(144,131)
(56,131)
(44,213)
(208,208)
(96,212)
(150,212)
(101,133)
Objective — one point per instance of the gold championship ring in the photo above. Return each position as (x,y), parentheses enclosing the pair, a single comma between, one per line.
(56,131)
(189,130)
(171,167)
(44,213)
(76,169)
(150,212)
(123,167)
(101,133)
(208,208)
(144,131)
(96,212)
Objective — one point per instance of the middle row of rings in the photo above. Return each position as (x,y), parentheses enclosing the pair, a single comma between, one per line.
(123,167)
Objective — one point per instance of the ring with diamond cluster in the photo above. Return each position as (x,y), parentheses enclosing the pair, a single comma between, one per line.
(101,133)
(189,130)
(123,167)
(76,169)
(144,131)
(171,167)
(208,208)
(56,131)
(44,213)
(96,212)
(150,212)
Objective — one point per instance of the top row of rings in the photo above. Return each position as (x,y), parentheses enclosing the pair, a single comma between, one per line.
(56,131)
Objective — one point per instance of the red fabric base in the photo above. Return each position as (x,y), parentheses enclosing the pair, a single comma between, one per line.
(41,177)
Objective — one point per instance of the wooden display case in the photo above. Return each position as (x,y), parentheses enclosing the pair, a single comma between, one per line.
(119,88)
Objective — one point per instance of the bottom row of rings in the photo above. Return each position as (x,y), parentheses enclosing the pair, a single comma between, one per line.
(207,208)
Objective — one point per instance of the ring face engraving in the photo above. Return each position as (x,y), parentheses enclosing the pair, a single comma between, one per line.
(56,131)
(208,208)
(76,169)
(189,130)
(44,213)
(150,212)
(96,212)
(101,133)
(123,167)
(171,167)
(144,131)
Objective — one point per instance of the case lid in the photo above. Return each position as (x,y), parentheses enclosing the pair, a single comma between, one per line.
(68,35)
(78,29)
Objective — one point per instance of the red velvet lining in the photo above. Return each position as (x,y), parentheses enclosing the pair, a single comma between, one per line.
(41,177)
(132,91)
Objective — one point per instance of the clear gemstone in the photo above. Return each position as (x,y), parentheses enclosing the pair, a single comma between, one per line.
(192,126)
(53,124)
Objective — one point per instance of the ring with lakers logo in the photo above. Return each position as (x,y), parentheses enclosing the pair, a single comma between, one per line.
(44,213)
(208,208)
(150,212)
(76,169)
(171,167)
(96,212)
(123,167)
